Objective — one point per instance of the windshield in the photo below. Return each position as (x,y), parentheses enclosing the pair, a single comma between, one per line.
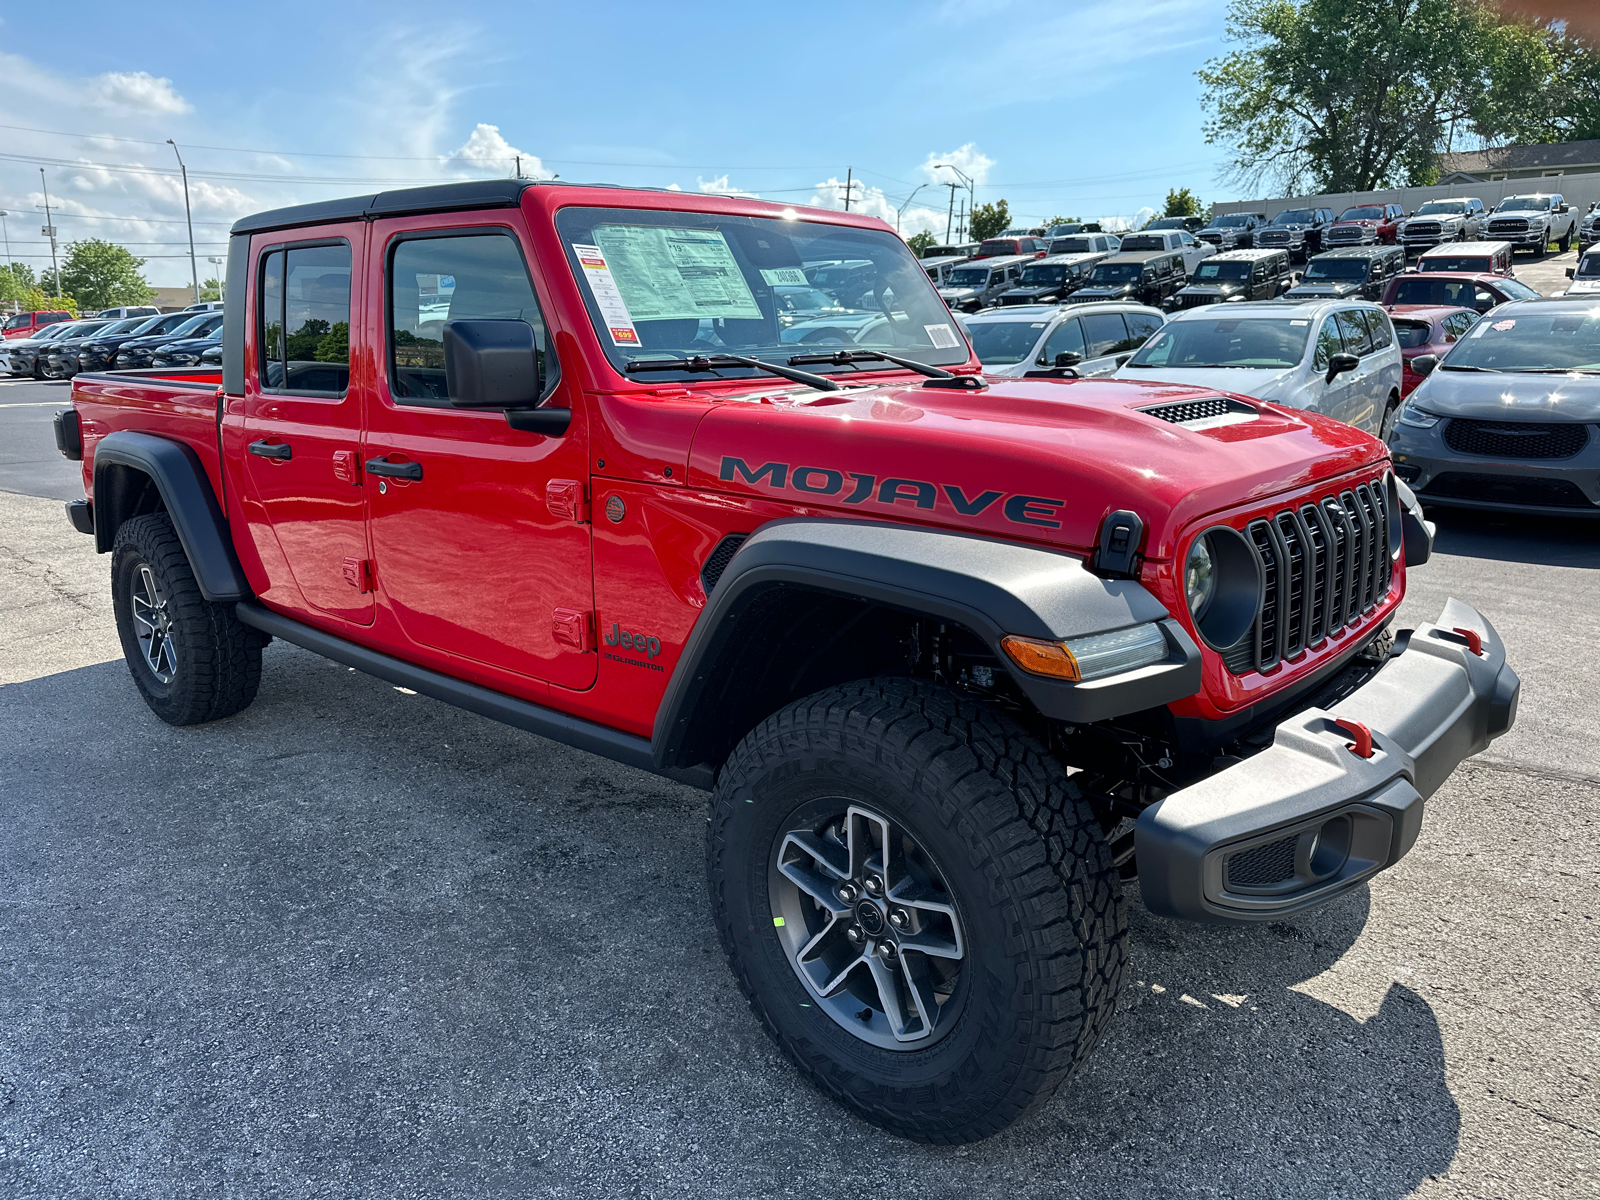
(1043,276)
(1532,339)
(1070,227)
(665,285)
(1524,204)
(1110,272)
(1588,267)
(1442,208)
(1367,212)
(1411,334)
(1166,223)
(1267,342)
(801,300)
(1072,245)
(126,325)
(1139,241)
(1231,220)
(969,277)
(1216,271)
(1347,269)
(1296,216)
(998,246)
(83,331)
(997,343)
(1470,263)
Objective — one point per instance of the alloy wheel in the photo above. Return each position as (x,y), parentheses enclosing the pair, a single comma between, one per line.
(152,620)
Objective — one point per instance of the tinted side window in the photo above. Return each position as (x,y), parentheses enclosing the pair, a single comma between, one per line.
(434,280)
(1105,333)
(1378,327)
(1457,324)
(1140,327)
(1065,338)
(304,320)
(1328,344)
(1357,340)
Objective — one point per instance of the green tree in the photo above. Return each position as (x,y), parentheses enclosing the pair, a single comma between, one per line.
(302,345)
(210,289)
(1543,85)
(919,242)
(101,275)
(38,300)
(1181,202)
(1062,221)
(335,344)
(16,281)
(988,220)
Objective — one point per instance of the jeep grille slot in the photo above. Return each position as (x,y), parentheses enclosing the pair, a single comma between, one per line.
(717,562)
(1324,567)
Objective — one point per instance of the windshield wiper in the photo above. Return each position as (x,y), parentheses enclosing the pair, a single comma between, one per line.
(1556,370)
(840,357)
(1467,367)
(710,362)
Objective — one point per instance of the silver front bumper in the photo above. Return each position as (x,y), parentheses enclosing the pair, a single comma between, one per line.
(1308,819)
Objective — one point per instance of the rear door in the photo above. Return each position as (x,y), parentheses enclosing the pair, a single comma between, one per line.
(1360,400)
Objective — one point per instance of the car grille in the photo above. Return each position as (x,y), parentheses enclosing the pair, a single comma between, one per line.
(1274,237)
(1214,238)
(1508,225)
(1516,439)
(1197,301)
(1507,489)
(1346,234)
(1326,566)
(1264,866)
(1422,229)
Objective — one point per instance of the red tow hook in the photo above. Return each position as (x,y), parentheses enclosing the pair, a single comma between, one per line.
(1474,639)
(1362,746)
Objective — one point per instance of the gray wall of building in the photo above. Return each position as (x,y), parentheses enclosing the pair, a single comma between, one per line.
(1579,190)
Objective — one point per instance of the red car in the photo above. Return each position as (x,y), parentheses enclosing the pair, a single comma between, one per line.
(1422,329)
(25,325)
(1437,289)
(994,247)
(1366,224)
(546,452)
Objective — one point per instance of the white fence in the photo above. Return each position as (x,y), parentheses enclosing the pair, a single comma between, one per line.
(1580,192)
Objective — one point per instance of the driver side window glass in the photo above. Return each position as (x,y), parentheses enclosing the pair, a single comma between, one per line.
(434,280)
(1356,339)
(1328,344)
(1065,338)
(303,320)
(1378,326)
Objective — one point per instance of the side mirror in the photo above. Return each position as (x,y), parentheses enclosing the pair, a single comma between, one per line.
(1068,358)
(1571,274)
(1339,364)
(495,364)
(1423,364)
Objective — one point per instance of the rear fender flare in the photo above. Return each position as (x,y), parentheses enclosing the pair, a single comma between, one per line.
(180,480)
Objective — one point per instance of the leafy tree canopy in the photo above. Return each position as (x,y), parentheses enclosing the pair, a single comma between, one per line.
(921,241)
(101,275)
(1181,202)
(990,220)
(1059,220)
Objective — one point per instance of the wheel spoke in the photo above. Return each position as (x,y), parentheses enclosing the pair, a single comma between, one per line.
(835,985)
(813,949)
(919,983)
(887,980)
(865,854)
(140,617)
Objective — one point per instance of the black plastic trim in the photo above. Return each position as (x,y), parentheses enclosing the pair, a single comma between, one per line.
(81,514)
(69,435)
(181,480)
(560,727)
(238,285)
(991,588)
(165,376)
(442,197)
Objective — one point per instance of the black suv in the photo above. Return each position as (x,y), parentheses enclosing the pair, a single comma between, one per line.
(1143,277)
(1236,275)
(1350,272)
(1300,231)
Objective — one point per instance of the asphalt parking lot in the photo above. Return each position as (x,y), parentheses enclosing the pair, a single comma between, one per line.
(355,943)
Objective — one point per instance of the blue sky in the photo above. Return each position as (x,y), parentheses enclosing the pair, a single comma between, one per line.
(1087,108)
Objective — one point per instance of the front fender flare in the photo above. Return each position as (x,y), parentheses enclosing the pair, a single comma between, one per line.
(992,588)
(185,492)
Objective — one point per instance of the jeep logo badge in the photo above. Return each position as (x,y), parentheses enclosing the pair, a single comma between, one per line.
(615,509)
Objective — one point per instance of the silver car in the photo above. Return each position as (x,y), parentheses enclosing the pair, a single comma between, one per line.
(1337,358)
(1072,339)
(978,284)
(1505,421)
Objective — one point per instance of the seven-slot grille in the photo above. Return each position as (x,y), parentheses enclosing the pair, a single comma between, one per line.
(1326,565)
(1516,439)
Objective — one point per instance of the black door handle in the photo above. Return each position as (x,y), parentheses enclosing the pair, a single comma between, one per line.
(382,466)
(278,450)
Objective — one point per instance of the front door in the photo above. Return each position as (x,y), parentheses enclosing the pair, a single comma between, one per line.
(300,430)
(1334,397)
(486,552)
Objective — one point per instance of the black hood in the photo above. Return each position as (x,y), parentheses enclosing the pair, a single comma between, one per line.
(1113,292)
(1333,289)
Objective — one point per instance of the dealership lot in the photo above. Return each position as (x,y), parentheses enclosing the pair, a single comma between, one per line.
(355,942)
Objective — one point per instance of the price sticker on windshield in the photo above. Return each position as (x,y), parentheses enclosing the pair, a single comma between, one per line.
(1502,326)
(613,309)
(785,277)
(942,336)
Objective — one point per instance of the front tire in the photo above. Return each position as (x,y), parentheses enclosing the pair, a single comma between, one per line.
(943,989)
(1391,413)
(1566,242)
(191,658)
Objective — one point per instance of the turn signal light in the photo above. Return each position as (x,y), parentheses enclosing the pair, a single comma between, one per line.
(1087,658)
(1039,657)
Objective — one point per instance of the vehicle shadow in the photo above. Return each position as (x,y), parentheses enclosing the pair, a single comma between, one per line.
(354,941)
(1516,537)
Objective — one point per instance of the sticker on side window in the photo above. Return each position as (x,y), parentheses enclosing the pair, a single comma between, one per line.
(613,311)
(942,336)
(1502,326)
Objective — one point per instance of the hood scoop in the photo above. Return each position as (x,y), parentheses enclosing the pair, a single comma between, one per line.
(1209,413)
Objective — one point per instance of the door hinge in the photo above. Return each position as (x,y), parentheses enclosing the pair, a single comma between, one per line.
(358,574)
(574,629)
(565,498)
(347,467)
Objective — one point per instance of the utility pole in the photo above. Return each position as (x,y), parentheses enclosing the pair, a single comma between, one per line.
(519,166)
(194,267)
(950,215)
(961,220)
(7,232)
(50,230)
(848,185)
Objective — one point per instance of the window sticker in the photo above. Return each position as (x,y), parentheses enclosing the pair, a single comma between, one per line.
(785,277)
(942,336)
(1299,322)
(667,273)
(1502,326)
(613,310)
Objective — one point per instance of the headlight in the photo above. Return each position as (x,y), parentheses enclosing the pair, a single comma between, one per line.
(1222,584)
(1199,578)
(1092,657)
(1418,418)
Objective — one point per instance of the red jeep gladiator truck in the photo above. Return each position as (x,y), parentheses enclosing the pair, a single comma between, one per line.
(955,657)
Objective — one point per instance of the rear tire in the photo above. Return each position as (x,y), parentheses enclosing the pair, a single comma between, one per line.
(1001,858)
(1391,412)
(1566,242)
(191,658)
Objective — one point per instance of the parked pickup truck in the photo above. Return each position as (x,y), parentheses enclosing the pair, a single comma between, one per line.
(955,656)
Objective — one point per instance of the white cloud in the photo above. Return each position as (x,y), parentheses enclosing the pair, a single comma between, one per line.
(873,202)
(968,159)
(719,186)
(138,90)
(485,150)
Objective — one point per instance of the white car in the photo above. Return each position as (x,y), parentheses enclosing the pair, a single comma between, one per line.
(1585,276)
(1171,239)
(1337,358)
(1028,338)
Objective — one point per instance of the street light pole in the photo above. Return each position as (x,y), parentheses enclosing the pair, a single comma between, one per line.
(221,282)
(4,229)
(55,269)
(194,268)
(901,211)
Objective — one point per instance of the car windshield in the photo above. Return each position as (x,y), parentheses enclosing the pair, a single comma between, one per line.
(1044,275)
(1411,334)
(147,325)
(189,328)
(1367,212)
(1524,204)
(672,285)
(1469,263)
(998,343)
(1139,241)
(1110,272)
(998,246)
(126,325)
(1296,216)
(969,277)
(1166,223)
(1261,342)
(1588,267)
(1442,208)
(1347,269)
(1217,271)
(1060,230)
(1072,245)
(1418,289)
(799,299)
(1231,220)
(1532,338)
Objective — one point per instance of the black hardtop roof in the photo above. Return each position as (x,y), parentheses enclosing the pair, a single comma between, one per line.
(1139,256)
(1252,254)
(1359,252)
